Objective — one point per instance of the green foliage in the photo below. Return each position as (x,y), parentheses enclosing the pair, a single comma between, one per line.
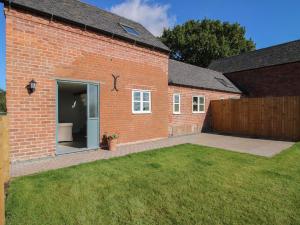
(201,42)
(113,136)
(2,101)
(186,184)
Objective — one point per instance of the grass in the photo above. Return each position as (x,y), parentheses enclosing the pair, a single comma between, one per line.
(186,184)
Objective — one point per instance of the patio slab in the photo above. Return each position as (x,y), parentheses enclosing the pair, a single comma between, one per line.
(267,148)
(260,147)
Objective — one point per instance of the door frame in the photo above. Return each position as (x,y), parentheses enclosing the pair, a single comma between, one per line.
(87,110)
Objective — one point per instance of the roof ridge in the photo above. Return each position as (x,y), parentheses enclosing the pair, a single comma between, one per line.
(123,17)
(257,50)
(107,11)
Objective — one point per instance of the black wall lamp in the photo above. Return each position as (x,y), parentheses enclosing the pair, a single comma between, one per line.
(31,86)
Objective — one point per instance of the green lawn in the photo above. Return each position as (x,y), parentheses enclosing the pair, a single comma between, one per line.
(186,184)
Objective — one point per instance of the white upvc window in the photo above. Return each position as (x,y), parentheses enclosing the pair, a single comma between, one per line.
(176,103)
(198,104)
(141,101)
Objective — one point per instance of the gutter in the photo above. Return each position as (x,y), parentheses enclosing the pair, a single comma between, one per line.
(170,83)
(11,4)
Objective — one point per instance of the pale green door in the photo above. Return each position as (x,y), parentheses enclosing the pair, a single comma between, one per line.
(93,116)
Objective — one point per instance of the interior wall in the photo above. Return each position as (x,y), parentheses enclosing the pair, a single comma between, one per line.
(67,114)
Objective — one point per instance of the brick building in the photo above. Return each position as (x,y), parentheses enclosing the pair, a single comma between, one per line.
(76,73)
(272,71)
(191,89)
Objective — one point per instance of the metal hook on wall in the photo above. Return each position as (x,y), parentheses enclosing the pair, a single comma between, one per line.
(115,82)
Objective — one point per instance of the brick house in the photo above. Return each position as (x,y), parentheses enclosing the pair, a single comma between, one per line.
(76,72)
(272,71)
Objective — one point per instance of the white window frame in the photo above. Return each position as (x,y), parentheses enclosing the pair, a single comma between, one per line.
(198,105)
(179,103)
(141,101)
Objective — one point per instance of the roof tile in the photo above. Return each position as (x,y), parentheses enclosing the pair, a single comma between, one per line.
(193,76)
(274,55)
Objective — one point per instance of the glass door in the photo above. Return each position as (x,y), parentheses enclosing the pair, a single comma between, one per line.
(93,116)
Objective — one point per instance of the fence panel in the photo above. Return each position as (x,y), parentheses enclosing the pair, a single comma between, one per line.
(271,117)
(4,164)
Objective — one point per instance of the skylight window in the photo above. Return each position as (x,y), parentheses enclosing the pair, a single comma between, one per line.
(130,30)
(224,82)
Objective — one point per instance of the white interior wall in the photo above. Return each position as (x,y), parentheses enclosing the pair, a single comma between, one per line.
(67,114)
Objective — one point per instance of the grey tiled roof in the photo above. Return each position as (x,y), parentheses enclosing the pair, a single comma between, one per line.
(91,17)
(193,76)
(274,55)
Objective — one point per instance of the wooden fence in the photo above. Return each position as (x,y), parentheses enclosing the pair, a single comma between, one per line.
(272,117)
(4,164)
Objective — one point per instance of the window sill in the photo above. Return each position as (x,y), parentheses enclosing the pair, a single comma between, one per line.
(141,113)
(199,112)
(176,113)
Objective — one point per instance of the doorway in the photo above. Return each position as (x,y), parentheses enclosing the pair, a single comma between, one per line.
(77,117)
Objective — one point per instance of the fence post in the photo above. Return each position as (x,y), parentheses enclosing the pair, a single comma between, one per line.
(1,175)
(4,164)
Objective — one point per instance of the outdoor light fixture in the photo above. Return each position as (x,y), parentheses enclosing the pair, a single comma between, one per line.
(31,86)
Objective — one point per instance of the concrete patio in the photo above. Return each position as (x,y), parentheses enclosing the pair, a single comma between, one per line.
(266,148)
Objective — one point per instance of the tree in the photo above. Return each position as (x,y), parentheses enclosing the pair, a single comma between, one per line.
(2,101)
(201,42)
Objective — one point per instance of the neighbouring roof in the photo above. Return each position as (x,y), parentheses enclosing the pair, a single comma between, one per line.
(274,55)
(91,17)
(193,76)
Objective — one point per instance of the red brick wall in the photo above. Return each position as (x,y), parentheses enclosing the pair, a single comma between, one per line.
(43,50)
(188,122)
(280,80)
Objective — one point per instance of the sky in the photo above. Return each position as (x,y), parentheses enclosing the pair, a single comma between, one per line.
(267,22)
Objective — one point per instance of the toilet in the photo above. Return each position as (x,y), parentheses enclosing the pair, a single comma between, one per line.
(65,132)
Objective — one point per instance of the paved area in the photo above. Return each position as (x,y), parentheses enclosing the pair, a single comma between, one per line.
(259,147)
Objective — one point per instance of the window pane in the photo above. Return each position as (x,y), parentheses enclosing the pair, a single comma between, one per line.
(176,108)
(146,106)
(137,96)
(195,108)
(201,108)
(201,100)
(195,100)
(130,30)
(137,106)
(176,98)
(146,97)
(93,101)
